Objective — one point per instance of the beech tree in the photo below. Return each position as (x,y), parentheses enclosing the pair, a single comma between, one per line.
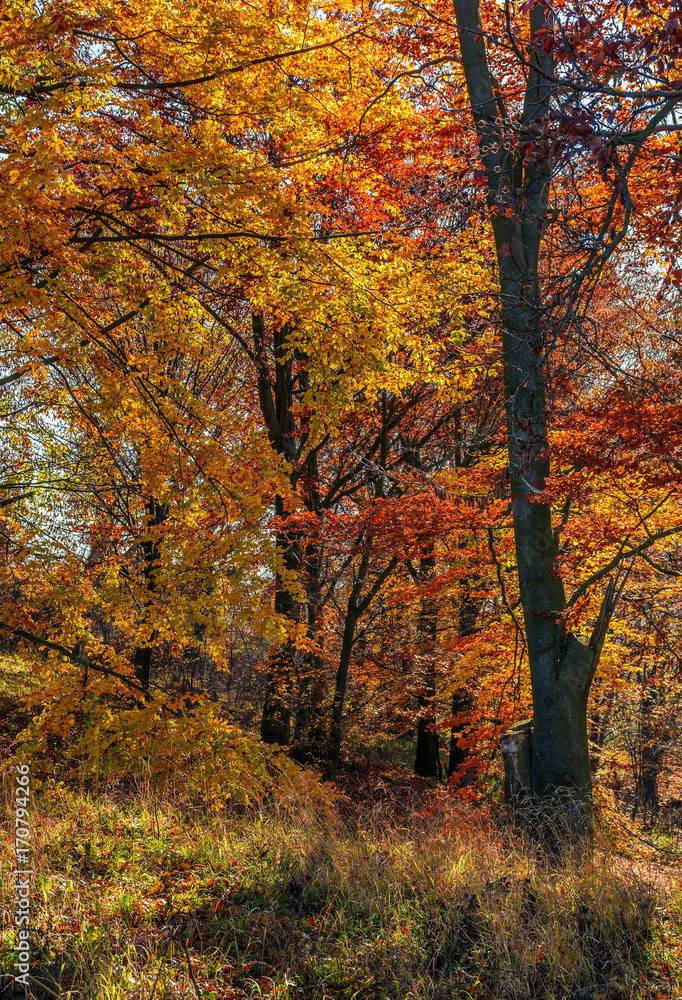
(559,95)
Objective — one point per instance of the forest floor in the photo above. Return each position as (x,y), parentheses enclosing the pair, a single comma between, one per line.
(374,892)
(147,900)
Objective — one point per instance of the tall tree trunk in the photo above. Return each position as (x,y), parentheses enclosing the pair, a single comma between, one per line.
(561,665)
(156,514)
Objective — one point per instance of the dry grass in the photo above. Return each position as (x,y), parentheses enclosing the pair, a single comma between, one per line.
(134,900)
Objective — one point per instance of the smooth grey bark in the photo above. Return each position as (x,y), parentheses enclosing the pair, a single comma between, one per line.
(561,666)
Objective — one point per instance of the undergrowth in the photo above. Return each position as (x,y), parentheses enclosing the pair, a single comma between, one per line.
(151,900)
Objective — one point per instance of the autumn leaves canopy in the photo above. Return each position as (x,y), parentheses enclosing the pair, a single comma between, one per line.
(303,357)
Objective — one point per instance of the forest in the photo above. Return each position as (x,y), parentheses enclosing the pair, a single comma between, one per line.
(341,499)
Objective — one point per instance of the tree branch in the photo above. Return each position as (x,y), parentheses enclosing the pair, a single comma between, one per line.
(74,658)
(620,558)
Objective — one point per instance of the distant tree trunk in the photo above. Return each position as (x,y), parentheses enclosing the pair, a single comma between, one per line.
(192,656)
(647,795)
(310,723)
(651,753)
(427,754)
(156,515)
(276,718)
(461,704)
(356,607)
(276,408)
(333,750)
(461,699)
(600,724)
(427,751)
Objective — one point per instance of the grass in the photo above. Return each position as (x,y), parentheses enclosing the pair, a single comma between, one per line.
(136,900)
(139,897)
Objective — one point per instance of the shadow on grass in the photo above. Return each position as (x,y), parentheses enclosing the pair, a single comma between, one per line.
(359,918)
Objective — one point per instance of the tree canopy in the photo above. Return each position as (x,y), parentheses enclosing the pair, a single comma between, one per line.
(340,360)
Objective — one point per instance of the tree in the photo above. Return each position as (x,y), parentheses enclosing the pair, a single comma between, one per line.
(568,71)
